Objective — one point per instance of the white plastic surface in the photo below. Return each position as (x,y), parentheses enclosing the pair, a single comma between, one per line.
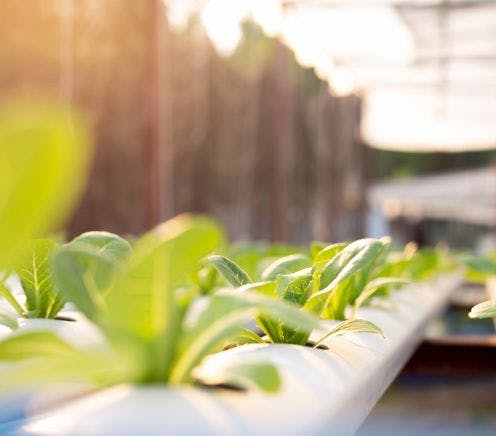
(80,333)
(324,391)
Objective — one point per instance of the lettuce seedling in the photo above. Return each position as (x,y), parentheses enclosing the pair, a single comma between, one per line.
(145,306)
(340,274)
(43,299)
(285,281)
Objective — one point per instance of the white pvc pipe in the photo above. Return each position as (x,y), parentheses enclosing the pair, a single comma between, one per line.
(80,333)
(324,391)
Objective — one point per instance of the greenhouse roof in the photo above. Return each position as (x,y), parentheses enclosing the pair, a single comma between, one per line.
(426,68)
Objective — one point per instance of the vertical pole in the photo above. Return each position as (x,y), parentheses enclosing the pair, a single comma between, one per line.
(153,105)
(365,166)
(280,108)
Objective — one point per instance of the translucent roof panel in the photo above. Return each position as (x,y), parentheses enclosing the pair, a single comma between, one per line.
(440,55)
(422,120)
(432,85)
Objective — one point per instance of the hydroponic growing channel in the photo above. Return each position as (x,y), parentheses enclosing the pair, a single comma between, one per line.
(335,325)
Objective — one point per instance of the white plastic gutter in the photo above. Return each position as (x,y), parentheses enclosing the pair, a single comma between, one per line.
(20,404)
(324,391)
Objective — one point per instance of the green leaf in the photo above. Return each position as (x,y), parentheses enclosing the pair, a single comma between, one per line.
(109,244)
(375,285)
(359,281)
(43,163)
(264,288)
(284,321)
(286,265)
(245,336)
(35,273)
(316,247)
(85,269)
(84,274)
(329,252)
(230,271)
(273,328)
(207,337)
(293,288)
(223,318)
(296,287)
(5,292)
(143,313)
(486,309)
(351,326)
(355,257)
(259,375)
(337,301)
(8,319)
(206,279)
(31,345)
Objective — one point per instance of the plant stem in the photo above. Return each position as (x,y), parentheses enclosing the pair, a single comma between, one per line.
(4,291)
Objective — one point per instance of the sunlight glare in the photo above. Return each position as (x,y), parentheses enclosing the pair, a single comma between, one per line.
(410,120)
(324,39)
(222,20)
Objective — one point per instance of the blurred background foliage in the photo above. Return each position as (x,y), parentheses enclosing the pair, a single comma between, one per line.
(388,164)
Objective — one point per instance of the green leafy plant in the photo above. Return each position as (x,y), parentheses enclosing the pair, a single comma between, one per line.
(85,268)
(320,285)
(340,274)
(41,289)
(44,155)
(145,306)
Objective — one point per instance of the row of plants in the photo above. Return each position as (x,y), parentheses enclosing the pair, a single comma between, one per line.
(165,302)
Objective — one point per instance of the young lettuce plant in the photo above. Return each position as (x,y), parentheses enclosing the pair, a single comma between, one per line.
(310,285)
(389,272)
(251,257)
(34,269)
(342,273)
(145,307)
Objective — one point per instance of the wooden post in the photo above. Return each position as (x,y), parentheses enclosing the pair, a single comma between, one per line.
(153,104)
(365,168)
(279,147)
